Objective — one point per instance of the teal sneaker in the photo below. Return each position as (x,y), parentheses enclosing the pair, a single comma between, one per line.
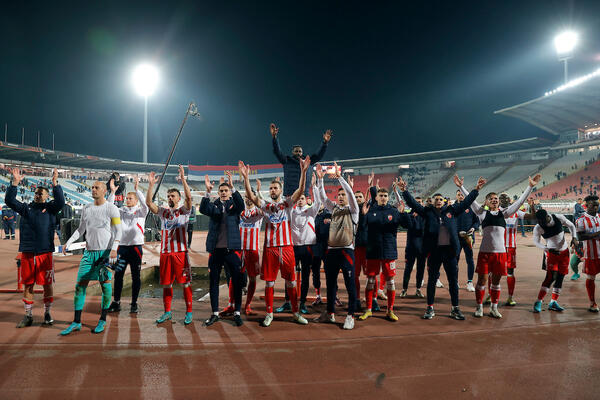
(100,327)
(166,316)
(188,318)
(554,306)
(375,305)
(285,307)
(575,277)
(537,306)
(303,309)
(75,326)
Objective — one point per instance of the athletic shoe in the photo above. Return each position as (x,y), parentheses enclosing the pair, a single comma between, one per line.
(303,309)
(75,326)
(114,307)
(317,301)
(537,306)
(457,314)
(244,289)
(213,318)
(478,311)
(554,306)
(495,313)
(249,311)
(188,318)
(366,315)
(268,320)
(470,287)
(575,276)
(26,321)
(488,300)
(403,293)
(338,302)
(375,306)
(429,313)
(284,307)
(439,284)
(419,294)
(391,316)
(331,317)
(300,319)
(349,322)
(593,308)
(133,309)
(47,319)
(100,327)
(237,320)
(381,295)
(510,302)
(165,317)
(227,311)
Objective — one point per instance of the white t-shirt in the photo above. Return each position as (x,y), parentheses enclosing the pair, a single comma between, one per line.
(101,225)
(556,242)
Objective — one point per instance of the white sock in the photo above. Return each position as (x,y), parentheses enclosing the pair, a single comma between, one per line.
(216,313)
(28,307)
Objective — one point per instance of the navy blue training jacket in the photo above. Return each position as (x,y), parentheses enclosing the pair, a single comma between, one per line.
(216,210)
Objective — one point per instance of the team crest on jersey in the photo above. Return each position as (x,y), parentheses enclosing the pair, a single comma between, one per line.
(389,217)
(467,210)
(449,215)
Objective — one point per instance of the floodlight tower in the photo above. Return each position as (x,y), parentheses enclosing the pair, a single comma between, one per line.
(565,43)
(145,80)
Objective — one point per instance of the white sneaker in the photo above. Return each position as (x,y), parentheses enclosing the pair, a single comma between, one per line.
(268,319)
(331,318)
(479,311)
(349,322)
(495,313)
(470,287)
(300,319)
(381,295)
(439,284)
(403,293)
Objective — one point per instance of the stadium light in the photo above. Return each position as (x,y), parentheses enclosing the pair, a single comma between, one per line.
(565,43)
(145,80)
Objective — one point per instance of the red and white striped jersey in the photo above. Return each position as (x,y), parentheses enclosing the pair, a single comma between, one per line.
(173,229)
(512,224)
(250,223)
(278,217)
(588,224)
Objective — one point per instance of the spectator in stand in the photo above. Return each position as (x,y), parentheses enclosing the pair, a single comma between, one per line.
(578,210)
(9,219)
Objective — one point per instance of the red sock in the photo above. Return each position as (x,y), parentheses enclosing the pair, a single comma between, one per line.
(555,293)
(391,295)
(479,294)
(542,293)
(318,291)
(590,286)
(376,284)
(369,296)
(231,301)
(490,284)
(250,295)
(495,293)
(187,296)
(269,293)
(49,299)
(167,298)
(293,294)
(381,281)
(510,281)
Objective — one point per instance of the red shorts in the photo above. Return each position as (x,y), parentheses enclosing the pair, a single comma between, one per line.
(360,260)
(591,267)
(387,268)
(37,269)
(276,258)
(494,263)
(558,262)
(511,257)
(251,262)
(175,267)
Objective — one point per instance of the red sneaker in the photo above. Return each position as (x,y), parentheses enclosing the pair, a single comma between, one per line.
(249,311)
(227,311)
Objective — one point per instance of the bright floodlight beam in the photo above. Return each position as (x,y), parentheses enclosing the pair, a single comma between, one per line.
(565,43)
(145,80)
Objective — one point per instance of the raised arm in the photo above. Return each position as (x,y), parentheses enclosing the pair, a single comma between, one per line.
(143,211)
(304,165)
(352,203)
(327,203)
(11,193)
(244,172)
(112,192)
(152,179)
(318,156)
(187,193)
(510,210)
(276,149)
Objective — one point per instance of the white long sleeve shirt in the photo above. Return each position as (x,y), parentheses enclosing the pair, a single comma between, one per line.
(331,206)
(303,222)
(493,240)
(101,225)
(556,242)
(133,220)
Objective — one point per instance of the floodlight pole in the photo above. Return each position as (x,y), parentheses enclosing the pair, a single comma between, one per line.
(566,64)
(145,155)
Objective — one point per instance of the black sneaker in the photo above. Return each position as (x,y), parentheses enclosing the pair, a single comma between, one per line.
(284,307)
(114,307)
(26,321)
(213,318)
(237,320)
(48,319)
(456,314)
(133,309)
(429,313)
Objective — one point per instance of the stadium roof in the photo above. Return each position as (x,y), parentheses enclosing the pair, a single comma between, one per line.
(574,105)
(452,154)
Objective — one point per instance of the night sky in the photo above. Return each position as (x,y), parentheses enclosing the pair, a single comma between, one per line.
(387,77)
